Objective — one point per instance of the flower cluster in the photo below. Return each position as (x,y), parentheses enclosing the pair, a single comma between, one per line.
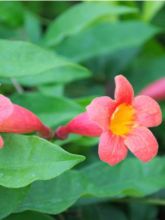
(121,124)
(16,119)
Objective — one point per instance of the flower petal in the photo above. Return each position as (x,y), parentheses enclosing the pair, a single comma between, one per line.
(100,111)
(111,148)
(23,121)
(1,142)
(124,92)
(82,125)
(142,144)
(6,107)
(148,111)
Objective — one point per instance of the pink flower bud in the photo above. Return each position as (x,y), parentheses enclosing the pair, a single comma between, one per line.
(156,90)
(16,119)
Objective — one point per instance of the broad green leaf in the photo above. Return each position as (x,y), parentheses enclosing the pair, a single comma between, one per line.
(19,58)
(55,196)
(10,199)
(79,17)
(130,178)
(105,39)
(25,159)
(29,216)
(135,179)
(52,110)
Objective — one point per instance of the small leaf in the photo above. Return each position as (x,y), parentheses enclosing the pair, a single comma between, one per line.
(25,159)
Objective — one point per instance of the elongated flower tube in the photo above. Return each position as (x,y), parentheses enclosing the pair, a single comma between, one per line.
(156,90)
(121,124)
(16,119)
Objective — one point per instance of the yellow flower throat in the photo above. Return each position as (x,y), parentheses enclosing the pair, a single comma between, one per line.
(122,120)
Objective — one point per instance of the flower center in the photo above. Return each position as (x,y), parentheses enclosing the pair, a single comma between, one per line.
(122,120)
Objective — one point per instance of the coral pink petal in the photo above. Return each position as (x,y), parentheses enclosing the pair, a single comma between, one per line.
(148,112)
(124,92)
(142,144)
(111,148)
(6,107)
(1,142)
(82,125)
(23,121)
(100,111)
(156,90)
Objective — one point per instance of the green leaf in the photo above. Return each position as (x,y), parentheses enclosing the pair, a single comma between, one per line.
(59,75)
(10,199)
(130,178)
(11,13)
(51,110)
(25,59)
(106,38)
(150,9)
(79,17)
(25,159)
(32,27)
(54,196)
(52,90)
(29,216)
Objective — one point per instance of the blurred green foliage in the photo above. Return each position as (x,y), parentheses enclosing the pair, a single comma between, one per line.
(54,58)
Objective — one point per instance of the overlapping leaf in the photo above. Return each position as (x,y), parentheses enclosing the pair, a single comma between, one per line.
(10,199)
(19,58)
(106,38)
(25,159)
(131,178)
(79,17)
